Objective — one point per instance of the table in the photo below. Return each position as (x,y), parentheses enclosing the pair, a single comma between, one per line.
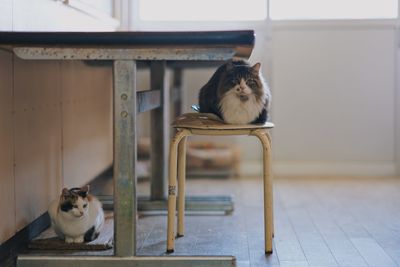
(124,49)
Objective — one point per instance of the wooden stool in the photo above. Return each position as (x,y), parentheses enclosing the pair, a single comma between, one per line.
(209,124)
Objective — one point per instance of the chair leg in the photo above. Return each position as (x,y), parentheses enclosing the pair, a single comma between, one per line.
(181,186)
(172,189)
(268,197)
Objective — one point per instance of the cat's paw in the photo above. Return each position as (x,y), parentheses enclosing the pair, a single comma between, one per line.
(78,239)
(69,240)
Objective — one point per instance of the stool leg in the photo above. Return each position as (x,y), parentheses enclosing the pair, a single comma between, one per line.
(181,186)
(268,197)
(172,189)
(272,178)
(266,133)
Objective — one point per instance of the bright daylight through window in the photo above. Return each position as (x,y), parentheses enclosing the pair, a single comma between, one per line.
(333,9)
(202,10)
(256,10)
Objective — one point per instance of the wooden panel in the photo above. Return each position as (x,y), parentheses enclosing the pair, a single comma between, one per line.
(87,121)
(6,15)
(37,137)
(7,199)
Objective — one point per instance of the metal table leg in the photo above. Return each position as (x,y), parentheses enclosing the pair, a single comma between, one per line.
(125,157)
(160,129)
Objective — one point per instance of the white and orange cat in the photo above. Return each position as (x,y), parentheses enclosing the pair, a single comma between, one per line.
(76,216)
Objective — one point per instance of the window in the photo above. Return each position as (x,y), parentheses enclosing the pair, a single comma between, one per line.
(202,10)
(333,9)
(227,14)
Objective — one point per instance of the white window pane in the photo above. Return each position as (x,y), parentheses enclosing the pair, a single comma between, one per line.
(333,9)
(202,10)
(103,5)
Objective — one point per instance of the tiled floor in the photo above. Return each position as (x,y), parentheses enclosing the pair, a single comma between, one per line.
(318,222)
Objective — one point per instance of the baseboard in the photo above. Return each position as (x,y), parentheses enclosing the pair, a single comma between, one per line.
(301,168)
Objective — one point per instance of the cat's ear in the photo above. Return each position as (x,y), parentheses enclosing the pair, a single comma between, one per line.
(84,191)
(229,65)
(65,192)
(85,188)
(256,67)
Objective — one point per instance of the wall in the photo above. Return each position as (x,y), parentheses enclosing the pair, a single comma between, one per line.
(334,98)
(55,117)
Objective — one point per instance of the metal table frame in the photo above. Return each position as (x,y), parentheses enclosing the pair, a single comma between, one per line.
(125,140)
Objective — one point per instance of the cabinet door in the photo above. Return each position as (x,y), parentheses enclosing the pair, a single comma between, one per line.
(7,199)
(87,121)
(37,97)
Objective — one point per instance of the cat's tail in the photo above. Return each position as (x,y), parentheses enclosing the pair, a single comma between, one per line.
(91,234)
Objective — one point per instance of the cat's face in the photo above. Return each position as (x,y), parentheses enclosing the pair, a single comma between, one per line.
(243,82)
(74,202)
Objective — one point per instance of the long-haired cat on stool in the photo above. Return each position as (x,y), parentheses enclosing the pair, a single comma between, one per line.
(76,216)
(237,93)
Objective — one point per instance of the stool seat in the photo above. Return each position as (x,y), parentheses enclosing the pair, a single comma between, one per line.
(209,124)
(209,121)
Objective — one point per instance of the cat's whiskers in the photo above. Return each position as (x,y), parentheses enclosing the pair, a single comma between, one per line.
(236,111)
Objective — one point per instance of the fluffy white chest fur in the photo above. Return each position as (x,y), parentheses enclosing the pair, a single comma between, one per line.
(74,228)
(236,111)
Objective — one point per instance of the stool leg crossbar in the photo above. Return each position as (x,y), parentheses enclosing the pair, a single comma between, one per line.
(177,164)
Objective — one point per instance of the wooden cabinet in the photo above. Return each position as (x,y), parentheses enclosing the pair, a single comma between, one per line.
(38,124)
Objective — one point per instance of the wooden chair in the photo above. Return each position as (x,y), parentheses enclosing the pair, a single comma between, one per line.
(209,124)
